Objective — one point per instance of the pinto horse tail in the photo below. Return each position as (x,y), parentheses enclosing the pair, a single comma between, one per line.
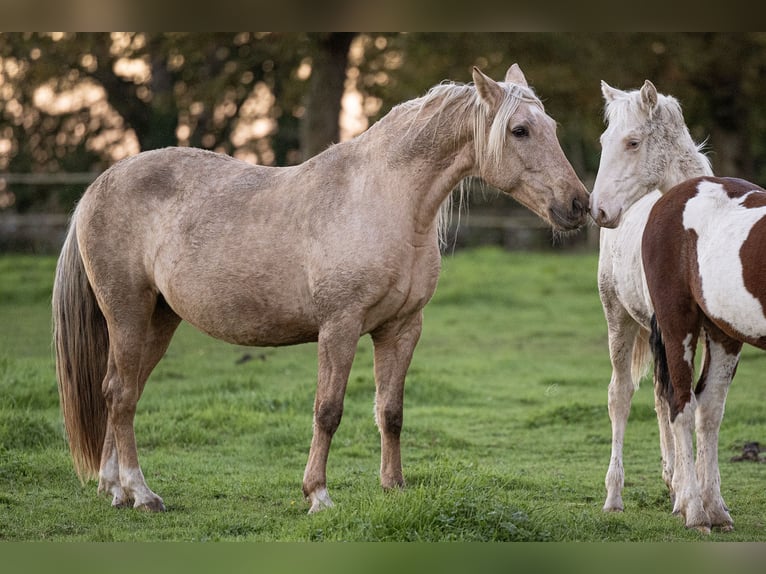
(661,372)
(81,343)
(641,357)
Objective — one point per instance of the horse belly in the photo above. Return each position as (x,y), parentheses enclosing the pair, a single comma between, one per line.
(245,313)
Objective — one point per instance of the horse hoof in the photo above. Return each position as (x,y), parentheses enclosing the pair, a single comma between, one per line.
(613,509)
(154,505)
(701,528)
(320,500)
(394,485)
(726,527)
(121,502)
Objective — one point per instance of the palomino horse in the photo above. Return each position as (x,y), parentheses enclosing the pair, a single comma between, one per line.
(340,246)
(645,148)
(703,253)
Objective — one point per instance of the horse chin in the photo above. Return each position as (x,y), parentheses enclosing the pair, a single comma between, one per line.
(562,221)
(610,224)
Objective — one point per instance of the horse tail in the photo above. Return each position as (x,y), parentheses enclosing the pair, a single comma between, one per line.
(81,343)
(661,372)
(641,358)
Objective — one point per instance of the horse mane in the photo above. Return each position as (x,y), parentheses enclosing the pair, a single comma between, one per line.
(450,106)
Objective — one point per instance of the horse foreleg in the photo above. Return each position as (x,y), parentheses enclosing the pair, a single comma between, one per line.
(394,346)
(622,337)
(336,349)
(720,364)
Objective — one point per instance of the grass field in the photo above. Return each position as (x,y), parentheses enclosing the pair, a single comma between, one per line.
(506,435)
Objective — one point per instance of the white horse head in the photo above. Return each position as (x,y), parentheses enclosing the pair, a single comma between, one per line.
(646,146)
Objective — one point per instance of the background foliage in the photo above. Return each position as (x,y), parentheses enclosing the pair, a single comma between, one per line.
(79,101)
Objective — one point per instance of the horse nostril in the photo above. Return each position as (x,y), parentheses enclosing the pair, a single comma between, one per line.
(601,215)
(577,207)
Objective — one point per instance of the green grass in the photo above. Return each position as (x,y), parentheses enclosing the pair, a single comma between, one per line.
(506,434)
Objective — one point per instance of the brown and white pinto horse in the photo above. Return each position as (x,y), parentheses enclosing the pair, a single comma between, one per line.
(703,251)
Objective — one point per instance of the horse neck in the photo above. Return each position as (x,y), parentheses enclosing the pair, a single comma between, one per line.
(687,163)
(435,153)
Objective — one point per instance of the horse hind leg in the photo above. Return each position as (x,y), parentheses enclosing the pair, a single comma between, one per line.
(121,477)
(721,359)
(667,445)
(674,350)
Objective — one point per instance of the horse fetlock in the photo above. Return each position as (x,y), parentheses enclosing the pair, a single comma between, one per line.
(696,517)
(720,517)
(109,485)
(392,482)
(613,503)
(320,499)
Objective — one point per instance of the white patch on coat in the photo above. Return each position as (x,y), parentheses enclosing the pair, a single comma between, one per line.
(722,225)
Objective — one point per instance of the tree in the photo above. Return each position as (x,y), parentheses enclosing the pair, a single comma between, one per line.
(325,91)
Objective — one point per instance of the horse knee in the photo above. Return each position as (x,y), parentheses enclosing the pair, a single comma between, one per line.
(390,419)
(327,416)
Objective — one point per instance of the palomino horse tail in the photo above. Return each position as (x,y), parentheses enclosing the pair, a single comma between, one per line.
(81,342)
(641,358)
(661,372)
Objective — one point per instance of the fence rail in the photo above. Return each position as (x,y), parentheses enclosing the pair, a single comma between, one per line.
(60,178)
(511,229)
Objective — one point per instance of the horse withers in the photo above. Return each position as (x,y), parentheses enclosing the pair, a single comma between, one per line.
(703,251)
(342,245)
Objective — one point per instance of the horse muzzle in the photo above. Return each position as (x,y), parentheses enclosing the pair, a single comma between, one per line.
(572,217)
(603,218)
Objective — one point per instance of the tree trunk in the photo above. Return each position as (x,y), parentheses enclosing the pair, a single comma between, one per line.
(320,126)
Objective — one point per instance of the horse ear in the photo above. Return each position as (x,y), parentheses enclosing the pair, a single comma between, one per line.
(514,75)
(609,92)
(649,95)
(489,90)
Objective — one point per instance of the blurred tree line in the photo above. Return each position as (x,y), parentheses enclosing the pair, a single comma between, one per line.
(78,102)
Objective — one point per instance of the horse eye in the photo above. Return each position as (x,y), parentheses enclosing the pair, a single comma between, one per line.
(520,132)
(632,144)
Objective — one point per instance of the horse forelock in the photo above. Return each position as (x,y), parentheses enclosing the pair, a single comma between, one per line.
(629,110)
(490,146)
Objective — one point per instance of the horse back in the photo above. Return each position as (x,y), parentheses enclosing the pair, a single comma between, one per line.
(249,254)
